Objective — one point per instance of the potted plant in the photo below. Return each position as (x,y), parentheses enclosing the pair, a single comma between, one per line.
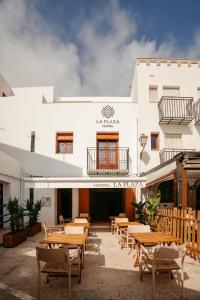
(17,233)
(33,208)
(152,204)
(139,211)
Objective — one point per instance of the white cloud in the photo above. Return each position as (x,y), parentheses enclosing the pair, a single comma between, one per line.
(32,54)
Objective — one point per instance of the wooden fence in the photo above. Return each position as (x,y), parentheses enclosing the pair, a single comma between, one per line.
(182,224)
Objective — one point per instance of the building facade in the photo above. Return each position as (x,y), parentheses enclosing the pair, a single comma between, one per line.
(82,154)
(167,92)
(77,154)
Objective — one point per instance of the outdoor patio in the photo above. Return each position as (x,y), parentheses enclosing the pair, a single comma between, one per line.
(108,274)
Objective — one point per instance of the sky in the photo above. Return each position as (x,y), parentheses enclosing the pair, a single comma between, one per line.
(89,47)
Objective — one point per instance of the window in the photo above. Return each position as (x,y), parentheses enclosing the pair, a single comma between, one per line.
(64,142)
(153,93)
(33,141)
(198,93)
(107,150)
(31,194)
(154,141)
(171,91)
(173,141)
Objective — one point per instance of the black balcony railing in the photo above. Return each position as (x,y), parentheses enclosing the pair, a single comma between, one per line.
(175,110)
(197,112)
(167,153)
(107,160)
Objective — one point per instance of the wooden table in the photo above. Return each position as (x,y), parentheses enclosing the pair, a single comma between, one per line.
(66,239)
(114,217)
(85,225)
(125,224)
(150,238)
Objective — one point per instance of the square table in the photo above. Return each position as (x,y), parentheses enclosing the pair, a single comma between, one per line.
(66,239)
(151,238)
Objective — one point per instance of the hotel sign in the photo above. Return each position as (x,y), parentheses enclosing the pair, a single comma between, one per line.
(108,121)
(127,184)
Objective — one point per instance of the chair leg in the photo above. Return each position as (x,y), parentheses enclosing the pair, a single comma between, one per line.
(47,278)
(69,282)
(38,291)
(153,282)
(182,283)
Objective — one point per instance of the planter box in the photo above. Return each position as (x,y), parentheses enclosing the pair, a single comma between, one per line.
(13,239)
(33,229)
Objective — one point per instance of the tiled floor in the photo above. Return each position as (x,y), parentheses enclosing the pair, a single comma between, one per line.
(108,274)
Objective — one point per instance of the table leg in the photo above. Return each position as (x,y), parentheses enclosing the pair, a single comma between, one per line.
(136,258)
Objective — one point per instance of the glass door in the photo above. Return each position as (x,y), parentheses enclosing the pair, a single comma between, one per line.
(107,155)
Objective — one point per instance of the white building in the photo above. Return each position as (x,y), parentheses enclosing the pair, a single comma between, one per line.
(167,92)
(82,154)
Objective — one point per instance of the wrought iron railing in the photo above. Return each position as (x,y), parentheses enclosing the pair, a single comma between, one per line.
(175,110)
(107,160)
(197,112)
(167,153)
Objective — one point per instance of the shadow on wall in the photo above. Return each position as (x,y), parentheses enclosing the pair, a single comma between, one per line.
(146,157)
(40,165)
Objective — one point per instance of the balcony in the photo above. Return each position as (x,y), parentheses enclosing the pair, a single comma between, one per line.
(197,112)
(107,160)
(167,153)
(175,110)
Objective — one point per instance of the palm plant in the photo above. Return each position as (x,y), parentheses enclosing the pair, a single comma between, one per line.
(152,204)
(139,211)
(16,214)
(33,209)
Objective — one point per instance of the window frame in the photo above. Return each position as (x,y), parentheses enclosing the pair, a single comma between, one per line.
(69,140)
(156,88)
(157,134)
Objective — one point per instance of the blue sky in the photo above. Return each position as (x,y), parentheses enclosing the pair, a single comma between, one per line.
(89,47)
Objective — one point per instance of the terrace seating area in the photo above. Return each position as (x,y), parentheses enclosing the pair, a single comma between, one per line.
(107,270)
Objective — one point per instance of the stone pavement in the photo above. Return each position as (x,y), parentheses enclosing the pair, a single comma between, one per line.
(108,275)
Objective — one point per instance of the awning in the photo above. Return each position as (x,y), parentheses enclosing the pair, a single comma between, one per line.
(162,174)
(84,182)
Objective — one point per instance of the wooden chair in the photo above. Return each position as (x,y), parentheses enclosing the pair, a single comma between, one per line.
(74,229)
(48,228)
(58,262)
(127,240)
(80,220)
(114,224)
(62,221)
(162,259)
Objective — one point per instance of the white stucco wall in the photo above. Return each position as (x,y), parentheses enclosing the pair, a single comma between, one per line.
(183,75)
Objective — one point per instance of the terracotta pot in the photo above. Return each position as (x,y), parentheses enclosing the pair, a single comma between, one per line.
(13,239)
(33,229)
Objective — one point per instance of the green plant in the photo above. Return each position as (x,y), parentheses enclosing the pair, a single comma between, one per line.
(33,209)
(16,214)
(152,204)
(139,211)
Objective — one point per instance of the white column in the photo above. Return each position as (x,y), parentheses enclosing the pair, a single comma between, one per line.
(75,203)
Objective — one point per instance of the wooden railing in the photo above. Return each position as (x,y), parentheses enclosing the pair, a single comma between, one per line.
(182,224)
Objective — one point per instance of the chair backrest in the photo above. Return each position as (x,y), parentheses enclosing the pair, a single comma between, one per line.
(74,229)
(52,255)
(46,226)
(84,215)
(61,219)
(119,220)
(122,214)
(138,228)
(80,220)
(168,252)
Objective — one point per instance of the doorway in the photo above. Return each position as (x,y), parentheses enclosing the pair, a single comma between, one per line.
(105,203)
(64,203)
(198,198)
(1,205)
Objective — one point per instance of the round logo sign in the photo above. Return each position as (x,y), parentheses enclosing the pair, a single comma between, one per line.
(107,111)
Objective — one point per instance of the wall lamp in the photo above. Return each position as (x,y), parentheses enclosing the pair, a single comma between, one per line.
(143,141)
